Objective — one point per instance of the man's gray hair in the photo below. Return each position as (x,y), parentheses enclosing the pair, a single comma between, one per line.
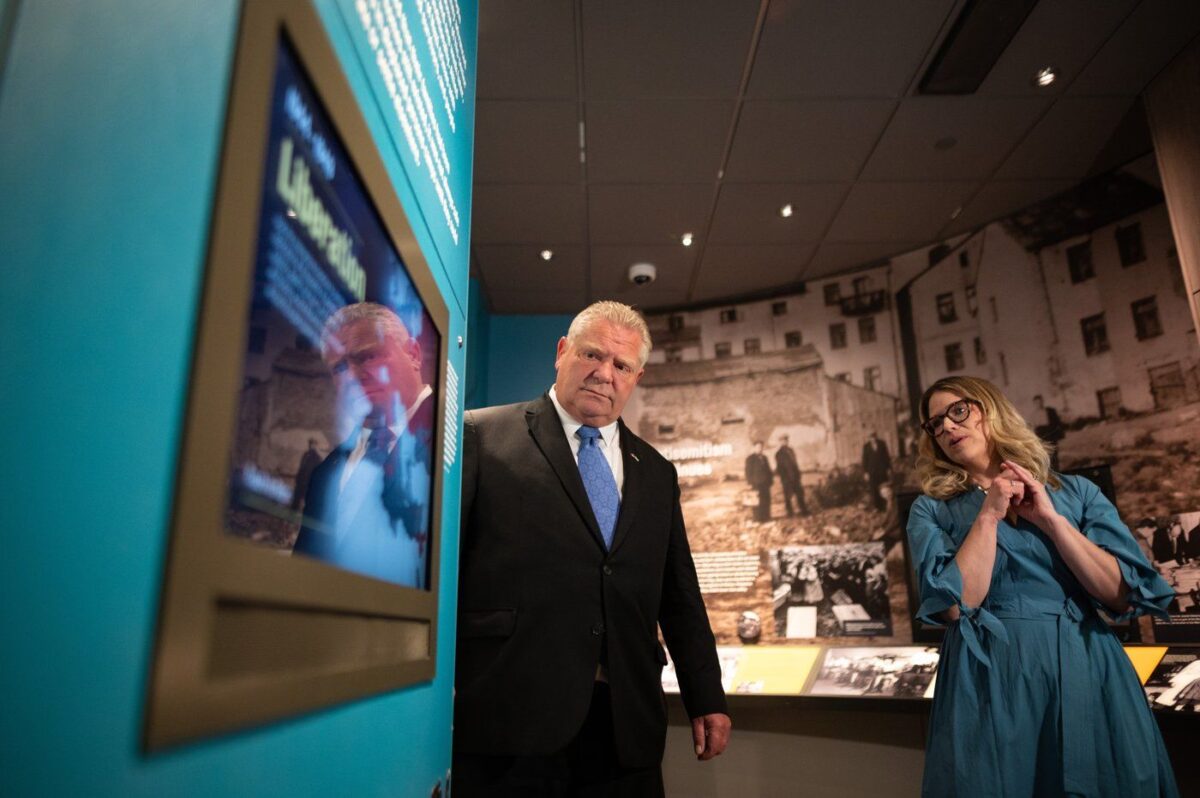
(617,313)
(384,319)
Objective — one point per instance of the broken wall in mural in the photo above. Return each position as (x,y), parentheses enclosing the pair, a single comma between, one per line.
(1075,308)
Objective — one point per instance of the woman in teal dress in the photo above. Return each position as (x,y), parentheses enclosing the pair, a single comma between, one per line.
(1034,696)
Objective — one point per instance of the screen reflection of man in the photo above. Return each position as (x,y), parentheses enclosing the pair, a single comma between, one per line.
(367,505)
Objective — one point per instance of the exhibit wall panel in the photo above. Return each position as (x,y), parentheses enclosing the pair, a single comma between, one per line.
(520,362)
(111,124)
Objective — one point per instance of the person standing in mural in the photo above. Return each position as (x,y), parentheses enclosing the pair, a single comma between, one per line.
(758,474)
(573,556)
(367,504)
(304,471)
(788,470)
(1049,427)
(1035,695)
(877,466)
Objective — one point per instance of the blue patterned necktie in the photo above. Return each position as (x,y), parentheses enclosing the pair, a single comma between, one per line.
(598,481)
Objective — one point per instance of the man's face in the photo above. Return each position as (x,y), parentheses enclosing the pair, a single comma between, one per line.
(597,373)
(367,362)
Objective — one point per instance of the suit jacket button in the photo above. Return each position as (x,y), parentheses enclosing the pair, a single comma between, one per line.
(607,571)
(598,629)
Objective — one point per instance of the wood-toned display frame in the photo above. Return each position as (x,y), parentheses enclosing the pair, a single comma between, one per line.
(247,635)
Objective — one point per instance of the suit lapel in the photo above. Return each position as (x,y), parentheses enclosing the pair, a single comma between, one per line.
(547,431)
(633,488)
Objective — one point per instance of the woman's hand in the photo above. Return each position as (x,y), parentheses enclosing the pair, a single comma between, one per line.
(1006,492)
(1034,505)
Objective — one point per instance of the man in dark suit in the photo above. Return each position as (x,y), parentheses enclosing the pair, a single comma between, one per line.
(789,478)
(573,556)
(367,504)
(758,474)
(877,466)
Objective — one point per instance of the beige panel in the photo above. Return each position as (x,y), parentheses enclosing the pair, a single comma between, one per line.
(804,50)
(636,49)
(813,140)
(656,141)
(730,270)
(506,213)
(898,211)
(749,212)
(1144,44)
(527,142)
(647,213)
(527,51)
(610,268)
(1173,106)
(1067,139)
(951,138)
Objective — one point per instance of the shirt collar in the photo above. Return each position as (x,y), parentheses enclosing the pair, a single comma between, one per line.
(571,426)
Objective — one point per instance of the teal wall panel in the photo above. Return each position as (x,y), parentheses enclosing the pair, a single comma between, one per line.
(520,356)
(111,115)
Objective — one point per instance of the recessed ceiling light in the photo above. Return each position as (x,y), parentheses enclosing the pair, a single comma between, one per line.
(547,254)
(686,239)
(786,210)
(1045,76)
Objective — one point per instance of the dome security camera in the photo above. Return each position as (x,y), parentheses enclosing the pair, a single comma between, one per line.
(642,273)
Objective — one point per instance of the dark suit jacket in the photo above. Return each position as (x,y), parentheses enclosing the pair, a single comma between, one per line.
(786,465)
(876,461)
(388,536)
(541,601)
(758,471)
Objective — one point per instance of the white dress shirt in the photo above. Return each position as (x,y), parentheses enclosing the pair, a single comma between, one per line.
(609,442)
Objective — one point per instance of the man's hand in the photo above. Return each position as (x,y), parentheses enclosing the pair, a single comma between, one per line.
(710,734)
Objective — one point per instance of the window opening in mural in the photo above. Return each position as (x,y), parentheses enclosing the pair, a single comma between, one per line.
(1109,400)
(1145,318)
(1129,244)
(866,330)
(1095,334)
(1167,386)
(945,308)
(837,335)
(872,378)
(954,357)
(833,294)
(1079,262)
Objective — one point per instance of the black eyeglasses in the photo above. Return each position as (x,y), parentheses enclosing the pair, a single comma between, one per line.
(956,412)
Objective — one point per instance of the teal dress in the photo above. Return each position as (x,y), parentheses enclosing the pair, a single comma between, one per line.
(1035,696)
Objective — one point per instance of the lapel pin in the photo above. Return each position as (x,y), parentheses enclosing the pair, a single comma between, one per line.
(635,457)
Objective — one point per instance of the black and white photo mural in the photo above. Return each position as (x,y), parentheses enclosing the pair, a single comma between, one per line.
(793,419)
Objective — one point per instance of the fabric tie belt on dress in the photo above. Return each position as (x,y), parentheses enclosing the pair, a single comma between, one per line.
(1075,705)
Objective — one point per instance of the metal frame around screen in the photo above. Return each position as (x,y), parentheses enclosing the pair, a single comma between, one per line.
(245,635)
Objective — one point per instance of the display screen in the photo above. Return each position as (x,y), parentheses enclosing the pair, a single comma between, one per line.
(333,456)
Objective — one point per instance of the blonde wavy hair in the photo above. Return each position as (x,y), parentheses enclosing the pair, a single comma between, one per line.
(1009,434)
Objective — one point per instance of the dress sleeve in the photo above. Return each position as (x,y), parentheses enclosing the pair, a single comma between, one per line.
(938,579)
(1100,523)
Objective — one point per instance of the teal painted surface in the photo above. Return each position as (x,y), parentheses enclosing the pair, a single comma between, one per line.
(520,356)
(111,118)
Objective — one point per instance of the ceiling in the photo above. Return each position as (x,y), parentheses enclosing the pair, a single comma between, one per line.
(607,128)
